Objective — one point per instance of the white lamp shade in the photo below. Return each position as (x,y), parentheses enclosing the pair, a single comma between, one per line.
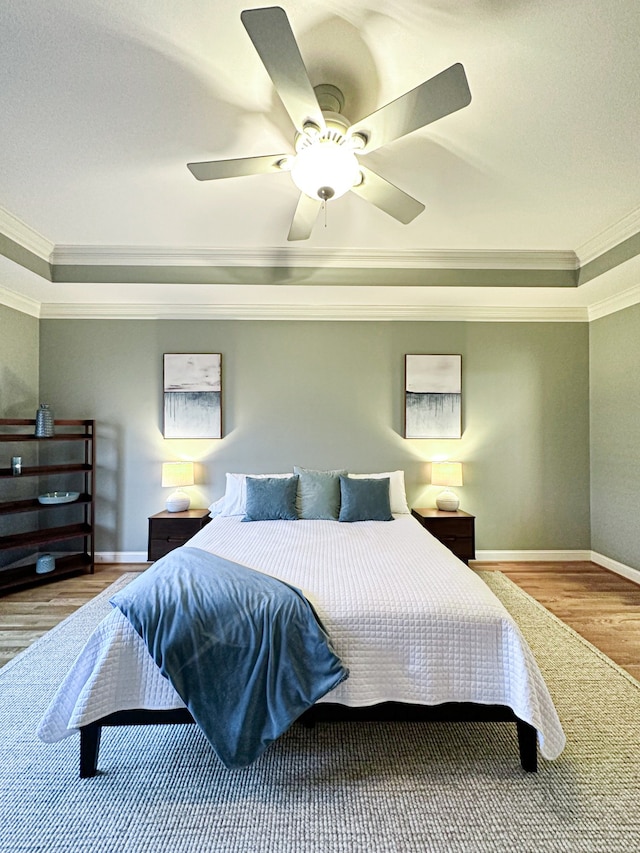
(446,473)
(174,475)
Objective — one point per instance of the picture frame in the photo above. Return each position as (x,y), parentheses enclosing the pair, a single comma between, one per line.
(433,396)
(192,395)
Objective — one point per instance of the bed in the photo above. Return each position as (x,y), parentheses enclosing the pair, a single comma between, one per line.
(421,634)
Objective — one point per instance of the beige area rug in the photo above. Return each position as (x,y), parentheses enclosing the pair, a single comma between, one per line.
(339,788)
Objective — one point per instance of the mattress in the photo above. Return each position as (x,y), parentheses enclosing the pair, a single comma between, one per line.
(411,622)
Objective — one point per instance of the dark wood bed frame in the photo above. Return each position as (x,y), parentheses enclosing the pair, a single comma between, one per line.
(453,712)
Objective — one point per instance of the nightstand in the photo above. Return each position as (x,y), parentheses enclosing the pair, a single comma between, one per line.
(456,530)
(169,530)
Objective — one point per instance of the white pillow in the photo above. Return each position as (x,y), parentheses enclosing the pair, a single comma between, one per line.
(397,494)
(217,507)
(234,501)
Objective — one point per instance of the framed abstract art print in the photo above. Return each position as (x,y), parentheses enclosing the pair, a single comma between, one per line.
(192,395)
(433,396)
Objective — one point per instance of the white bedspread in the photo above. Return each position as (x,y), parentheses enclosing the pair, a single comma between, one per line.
(412,623)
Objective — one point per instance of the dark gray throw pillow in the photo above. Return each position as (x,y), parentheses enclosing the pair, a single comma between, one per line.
(271,498)
(364,500)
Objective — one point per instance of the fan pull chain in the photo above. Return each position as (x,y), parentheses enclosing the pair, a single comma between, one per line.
(324,207)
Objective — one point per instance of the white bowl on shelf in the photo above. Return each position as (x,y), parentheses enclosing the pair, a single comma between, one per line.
(58,497)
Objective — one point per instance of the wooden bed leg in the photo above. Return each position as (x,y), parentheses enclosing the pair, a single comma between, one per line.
(308,720)
(528,745)
(89,749)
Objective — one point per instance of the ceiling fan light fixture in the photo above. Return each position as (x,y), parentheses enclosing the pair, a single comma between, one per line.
(327,146)
(311,129)
(325,169)
(358,140)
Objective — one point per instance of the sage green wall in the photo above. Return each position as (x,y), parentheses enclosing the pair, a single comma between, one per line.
(330,394)
(19,358)
(615,436)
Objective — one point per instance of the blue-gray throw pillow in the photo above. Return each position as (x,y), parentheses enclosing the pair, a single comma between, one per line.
(271,498)
(318,493)
(364,500)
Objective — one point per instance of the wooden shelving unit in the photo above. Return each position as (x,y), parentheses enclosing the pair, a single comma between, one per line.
(65,461)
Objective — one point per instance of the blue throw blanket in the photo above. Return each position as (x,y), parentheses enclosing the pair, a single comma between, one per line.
(246,652)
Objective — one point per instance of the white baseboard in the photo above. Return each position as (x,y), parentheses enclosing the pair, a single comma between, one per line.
(532,556)
(487,556)
(559,556)
(121,557)
(483,556)
(615,566)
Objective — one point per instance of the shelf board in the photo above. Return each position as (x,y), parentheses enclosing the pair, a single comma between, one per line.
(59,436)
(41,470)
(27,575)
(34,538)
(10,507)
(57,421)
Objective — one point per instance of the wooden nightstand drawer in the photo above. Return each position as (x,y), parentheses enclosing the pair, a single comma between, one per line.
(462,546)
(169,530)
(456,530)
(459,528)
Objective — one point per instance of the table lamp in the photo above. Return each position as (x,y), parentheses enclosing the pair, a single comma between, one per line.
(175,475)
(447,474)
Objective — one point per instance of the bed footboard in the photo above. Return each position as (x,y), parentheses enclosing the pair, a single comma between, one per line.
(458,712)
(451,712)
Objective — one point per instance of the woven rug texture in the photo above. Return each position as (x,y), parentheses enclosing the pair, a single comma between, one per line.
(339,788)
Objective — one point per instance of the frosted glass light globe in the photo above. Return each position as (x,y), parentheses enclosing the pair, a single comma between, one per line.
(325,169)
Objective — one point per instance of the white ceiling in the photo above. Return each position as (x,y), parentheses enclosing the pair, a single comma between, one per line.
(103,102)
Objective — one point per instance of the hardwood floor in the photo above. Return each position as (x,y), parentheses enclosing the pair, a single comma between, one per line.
(27,614)
(600,605)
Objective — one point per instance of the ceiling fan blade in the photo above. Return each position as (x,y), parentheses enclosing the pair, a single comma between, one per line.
(304,218)
(212,170)
(273,38)
(387,197)
(440,96)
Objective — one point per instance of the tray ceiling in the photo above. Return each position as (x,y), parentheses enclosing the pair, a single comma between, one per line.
(532,189)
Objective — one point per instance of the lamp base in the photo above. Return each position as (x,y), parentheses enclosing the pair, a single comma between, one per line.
(178,501)
(448,501)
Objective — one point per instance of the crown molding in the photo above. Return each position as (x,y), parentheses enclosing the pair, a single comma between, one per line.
(331,259)
(158,256)
(375,313)
(609,238)
(617,302)
(300,257)
(22,234)
(14,300)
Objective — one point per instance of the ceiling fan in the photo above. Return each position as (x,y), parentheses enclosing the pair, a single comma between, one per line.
(328,147)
